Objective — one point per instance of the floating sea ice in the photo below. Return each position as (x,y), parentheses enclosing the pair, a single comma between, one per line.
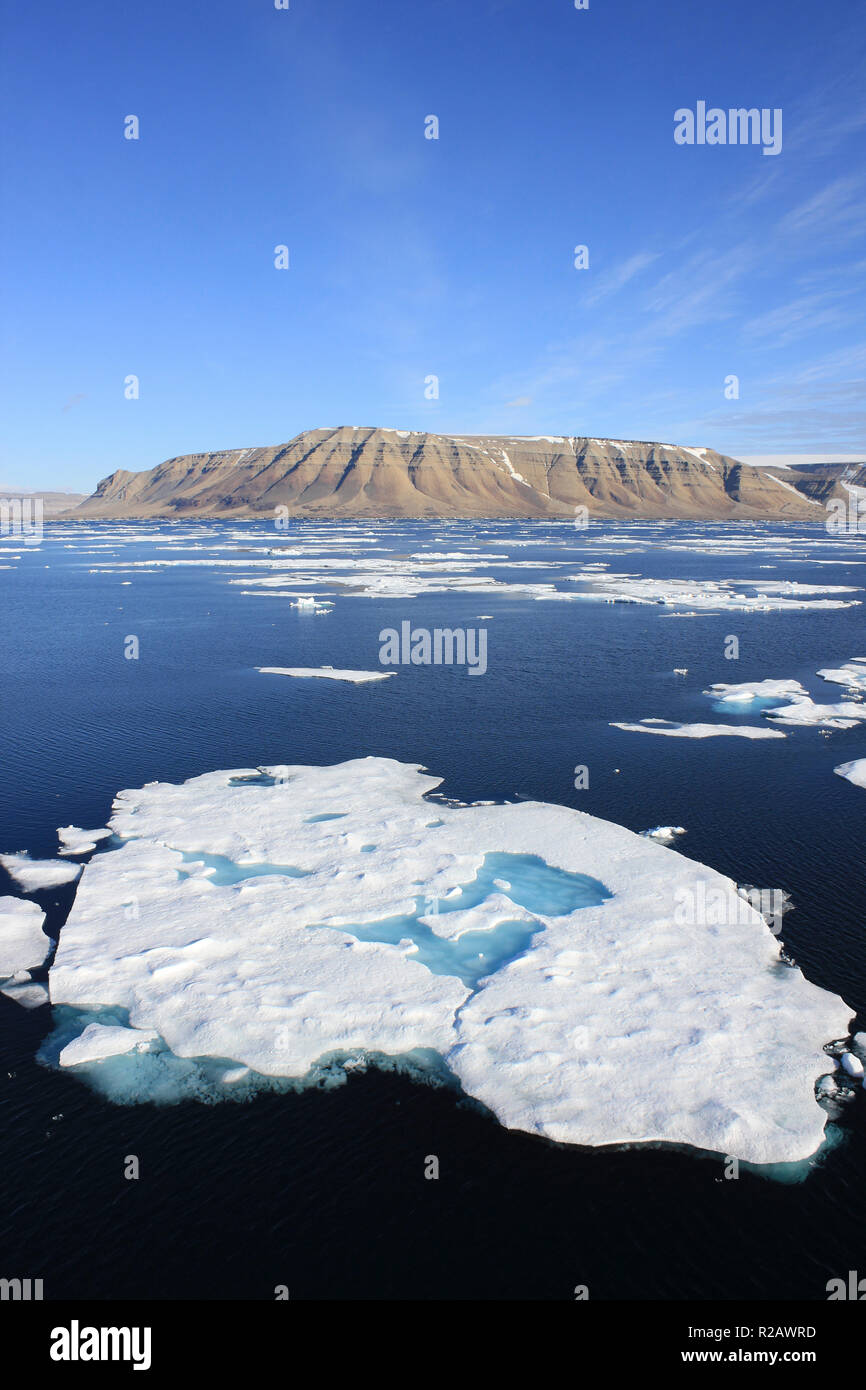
(23,944)
(23,990)
(851,1064)
(665,834)
(721,595)
(35,874)
(544,957)
(852,674)
(326,673)
(663,726)
(832,1095)
(854,771)
(308,603)
(804,713)
(748,692)
(76,841)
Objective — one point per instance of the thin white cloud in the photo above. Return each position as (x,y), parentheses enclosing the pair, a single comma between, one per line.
(613,280)
(840,206)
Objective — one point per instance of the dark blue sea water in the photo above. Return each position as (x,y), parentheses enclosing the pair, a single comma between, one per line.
(324,1191)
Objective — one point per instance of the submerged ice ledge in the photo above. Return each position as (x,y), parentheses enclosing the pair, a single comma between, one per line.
(254,926)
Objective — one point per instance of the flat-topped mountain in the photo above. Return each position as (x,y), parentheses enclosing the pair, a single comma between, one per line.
(368,472)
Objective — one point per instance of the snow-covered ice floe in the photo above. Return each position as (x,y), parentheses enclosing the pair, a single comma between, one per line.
(806,713)
(800,710)
(723,595)
(854,771)
(35,874)
(294,923)
(756,692)
(672,730)
(23,944)
(308,603)
(852,675)
(326,673)
(76,841)
(23,947)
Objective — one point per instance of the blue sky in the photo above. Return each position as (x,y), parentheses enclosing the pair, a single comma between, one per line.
(412,257)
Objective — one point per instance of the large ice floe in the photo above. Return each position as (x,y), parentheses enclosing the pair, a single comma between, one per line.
(280,926)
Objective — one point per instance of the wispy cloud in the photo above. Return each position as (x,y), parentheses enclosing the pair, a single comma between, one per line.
(613,280)
(839,207)
(788,322)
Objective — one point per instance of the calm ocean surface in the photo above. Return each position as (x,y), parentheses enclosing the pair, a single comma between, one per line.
(323,1191)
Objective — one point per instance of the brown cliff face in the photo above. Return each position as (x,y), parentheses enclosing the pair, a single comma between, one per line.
(350,472)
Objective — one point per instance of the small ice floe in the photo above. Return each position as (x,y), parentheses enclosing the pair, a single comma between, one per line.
(681,670)
(76,841)
(806,713)
(752,692)
(665,834)
(35,874)
(23,990)
(23,944)
(308,603)
(851,1064)
(326,673)
(854,771)
(852,675)
(831,1095)
(672,730)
